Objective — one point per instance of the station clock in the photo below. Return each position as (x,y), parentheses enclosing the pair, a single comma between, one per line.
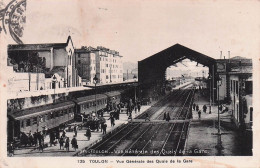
(221,67)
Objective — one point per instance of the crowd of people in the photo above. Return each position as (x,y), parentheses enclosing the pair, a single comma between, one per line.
(91,122)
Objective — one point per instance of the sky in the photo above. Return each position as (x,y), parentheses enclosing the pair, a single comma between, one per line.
(141,28)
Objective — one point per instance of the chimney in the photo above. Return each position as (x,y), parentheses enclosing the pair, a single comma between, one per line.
(229,56)
(220,54)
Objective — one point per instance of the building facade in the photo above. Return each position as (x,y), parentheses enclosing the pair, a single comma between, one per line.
(55,60)
(236,88)
(106,64)
(111,66)
(86,64)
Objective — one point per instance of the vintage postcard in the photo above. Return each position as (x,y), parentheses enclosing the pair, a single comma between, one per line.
(141,83)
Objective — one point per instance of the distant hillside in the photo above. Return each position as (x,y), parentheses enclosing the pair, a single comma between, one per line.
(130,66)
(238,57)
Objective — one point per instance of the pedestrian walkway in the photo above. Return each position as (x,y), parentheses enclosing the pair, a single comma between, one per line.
(81,138)
(202,135)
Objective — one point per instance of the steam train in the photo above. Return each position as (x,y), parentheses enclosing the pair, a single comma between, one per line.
(54,115)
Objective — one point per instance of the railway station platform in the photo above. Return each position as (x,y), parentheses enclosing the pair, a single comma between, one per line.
(81,139)
(203,139)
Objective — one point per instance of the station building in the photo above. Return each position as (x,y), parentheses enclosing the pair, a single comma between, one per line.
(235,87)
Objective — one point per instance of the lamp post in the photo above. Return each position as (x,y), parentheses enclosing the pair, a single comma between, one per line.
(219,82)
(110,73)
(95,80)
(219,143)
(210,94)
(54,80)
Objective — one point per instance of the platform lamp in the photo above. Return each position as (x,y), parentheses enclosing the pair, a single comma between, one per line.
(219,82)
(95,80)
(54,80)
(219,144)
(210,101)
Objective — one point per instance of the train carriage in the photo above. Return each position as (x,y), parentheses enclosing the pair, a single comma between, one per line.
(86,105)
(113,98)
(38,118)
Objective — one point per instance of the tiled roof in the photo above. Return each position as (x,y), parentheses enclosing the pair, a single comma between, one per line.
(43,46)
(46,46)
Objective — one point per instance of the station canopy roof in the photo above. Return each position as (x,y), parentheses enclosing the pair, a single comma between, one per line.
(177,53)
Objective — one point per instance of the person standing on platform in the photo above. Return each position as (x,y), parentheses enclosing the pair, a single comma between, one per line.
(194,106)
(67,144)
(30,138)
(139,106)
(199,113)
(61,141)
(168,117)
(102,113)
(52,138)
(164,116)
(204,108)
(11,149)
(35,138)
(74,143)
(63,133)
(197,108)
(75,130)
(130,116)
(112,120)
(41,141)
(104,128)
(88,133)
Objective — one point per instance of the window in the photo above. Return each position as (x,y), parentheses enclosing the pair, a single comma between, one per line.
(79,62)
(237,87)
(231,83)
(22,123)
(251,113)
(52,115)
(41,119)
(46,117)
(78,55)
(248,87)
(34,120)
(28,122)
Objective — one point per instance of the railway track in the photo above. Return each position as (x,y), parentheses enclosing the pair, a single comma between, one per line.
(174,99)
(151,139)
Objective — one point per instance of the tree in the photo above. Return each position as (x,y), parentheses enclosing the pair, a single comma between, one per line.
(28,61)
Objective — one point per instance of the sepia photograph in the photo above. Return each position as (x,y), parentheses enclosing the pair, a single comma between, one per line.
(139,83)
